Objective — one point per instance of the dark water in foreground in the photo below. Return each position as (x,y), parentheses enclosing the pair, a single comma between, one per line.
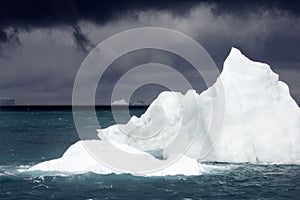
(29,137)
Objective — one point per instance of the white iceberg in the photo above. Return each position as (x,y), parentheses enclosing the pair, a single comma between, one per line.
(261,124)
(121,102)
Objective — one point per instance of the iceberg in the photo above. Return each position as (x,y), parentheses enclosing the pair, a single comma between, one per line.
(261,125)
(121,102)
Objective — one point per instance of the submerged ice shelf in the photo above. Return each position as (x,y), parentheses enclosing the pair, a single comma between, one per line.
(261,124)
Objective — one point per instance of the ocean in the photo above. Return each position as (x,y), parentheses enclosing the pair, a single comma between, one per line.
(29,136)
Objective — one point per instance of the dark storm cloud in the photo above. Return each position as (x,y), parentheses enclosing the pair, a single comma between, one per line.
(82,41)
(22,14)
(244,7)
(25,15)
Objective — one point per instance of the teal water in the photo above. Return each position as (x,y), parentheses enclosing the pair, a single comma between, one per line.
(28,137)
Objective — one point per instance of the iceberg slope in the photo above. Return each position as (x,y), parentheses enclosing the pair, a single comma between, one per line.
(77,159)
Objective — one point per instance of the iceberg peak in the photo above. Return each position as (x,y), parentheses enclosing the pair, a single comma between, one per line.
(235,50)
(237,65)
(235,55)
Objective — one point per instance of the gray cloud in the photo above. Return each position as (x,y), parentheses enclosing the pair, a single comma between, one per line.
(82,41)
(43,68)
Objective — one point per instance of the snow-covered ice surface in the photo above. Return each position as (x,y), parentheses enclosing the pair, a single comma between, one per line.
(77,159)
(261,125)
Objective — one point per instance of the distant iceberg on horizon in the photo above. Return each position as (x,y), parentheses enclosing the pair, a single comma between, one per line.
(7,101)
(261,125)
(121,102)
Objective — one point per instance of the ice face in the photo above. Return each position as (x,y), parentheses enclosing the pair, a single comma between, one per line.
(261,124)
(262,119)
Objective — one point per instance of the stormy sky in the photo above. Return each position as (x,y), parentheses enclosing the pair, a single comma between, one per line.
(42,43)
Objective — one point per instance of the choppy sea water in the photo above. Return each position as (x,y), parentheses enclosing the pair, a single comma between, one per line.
(28,137)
